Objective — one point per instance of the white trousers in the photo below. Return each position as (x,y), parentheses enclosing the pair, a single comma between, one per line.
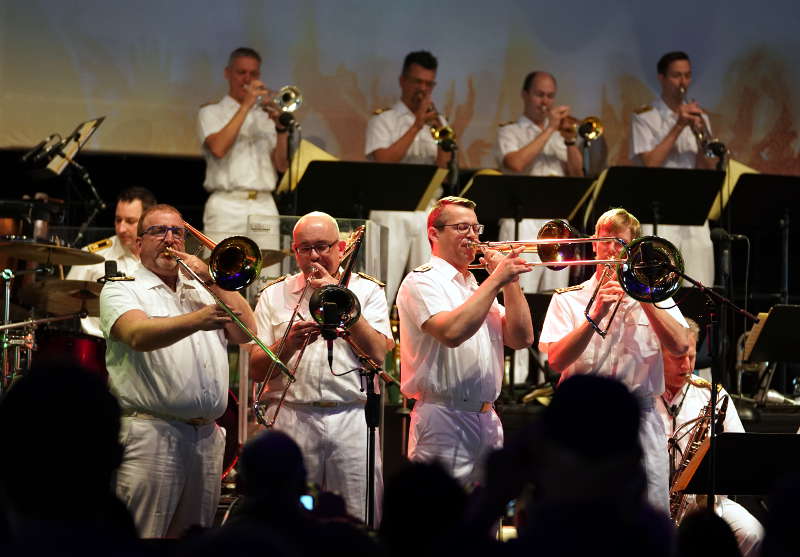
(225,213)
(334,446)
(408,245)
(170,474)
(458,439)
(655,457)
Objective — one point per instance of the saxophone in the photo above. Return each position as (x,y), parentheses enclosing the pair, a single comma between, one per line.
(701,426)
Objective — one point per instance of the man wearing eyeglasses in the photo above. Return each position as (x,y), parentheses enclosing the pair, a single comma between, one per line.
(631,350)
(324,408)
(167,362)
(453,332)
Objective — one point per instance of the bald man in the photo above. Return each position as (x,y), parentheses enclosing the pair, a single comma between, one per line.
(324,409)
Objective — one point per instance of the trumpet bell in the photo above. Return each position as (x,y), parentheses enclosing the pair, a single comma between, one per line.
(554,253)
(650,272)
(235,263)
(288,99)
(590,128)
(334,306)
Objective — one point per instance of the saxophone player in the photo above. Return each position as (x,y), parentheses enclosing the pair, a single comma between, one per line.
(684,398)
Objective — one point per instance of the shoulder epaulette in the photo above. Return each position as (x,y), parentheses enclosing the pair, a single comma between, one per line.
(105,243)
(370,277)
(380,110)
(505,123)
(423,268)
(568,289)
(643,109)
(698,381)
(272,282)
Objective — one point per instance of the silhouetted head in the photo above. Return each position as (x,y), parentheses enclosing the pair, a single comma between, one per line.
(271,465)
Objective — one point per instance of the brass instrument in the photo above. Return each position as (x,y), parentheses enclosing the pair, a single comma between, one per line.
(648,269)
(342,297)
(288,98)
(443,134)
(696,446)
(706,144)
(234,263)
(588,129)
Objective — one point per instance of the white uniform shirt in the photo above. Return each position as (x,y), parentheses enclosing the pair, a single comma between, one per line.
(648,128)
(248,163)
(315,382)
(550,161)
(387,127)
(126,262)
(471,372)
(630,353)
(188,379)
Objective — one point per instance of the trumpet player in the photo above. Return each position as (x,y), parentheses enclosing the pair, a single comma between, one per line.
(683,400)
(323,412)
(402,133)
(542,142)
(167,363)
(244,146)
(661,133)
(662,136)
(632,350)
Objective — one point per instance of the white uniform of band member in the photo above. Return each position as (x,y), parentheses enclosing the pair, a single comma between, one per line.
(324,413)
(452,333)
(168,365)
(631,351)
(661,136)
(243,147)
(401,134)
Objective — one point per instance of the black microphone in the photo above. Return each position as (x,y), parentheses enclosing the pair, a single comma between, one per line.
(52,149)
(286,119)
(112,275)
(36,150)
(330,315)
(721,235)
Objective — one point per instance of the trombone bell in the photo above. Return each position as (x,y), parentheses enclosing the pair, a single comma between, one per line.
(235,263)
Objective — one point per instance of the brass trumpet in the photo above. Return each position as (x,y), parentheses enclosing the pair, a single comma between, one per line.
(443,134)
(588,129)
(234,263)
(709,146)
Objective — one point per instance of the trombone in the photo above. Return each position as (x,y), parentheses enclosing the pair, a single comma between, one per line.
(648,269)
(331,307)
(235,262)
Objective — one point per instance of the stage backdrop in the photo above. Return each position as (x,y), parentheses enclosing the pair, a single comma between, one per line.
(148,65)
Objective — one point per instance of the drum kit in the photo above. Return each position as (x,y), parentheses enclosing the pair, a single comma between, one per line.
(61,300)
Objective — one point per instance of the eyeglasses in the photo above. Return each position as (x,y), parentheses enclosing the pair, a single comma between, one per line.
(321,249)
(178,232)
(464,227)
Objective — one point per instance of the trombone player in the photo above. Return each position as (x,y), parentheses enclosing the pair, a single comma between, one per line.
(167,363)
(323,412)
(632,350)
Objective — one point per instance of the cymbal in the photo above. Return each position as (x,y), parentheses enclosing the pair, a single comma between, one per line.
(48,253)
(272,256)
(62,297)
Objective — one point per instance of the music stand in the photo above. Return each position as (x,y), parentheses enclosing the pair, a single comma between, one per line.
(657,195)
(747,464)
(349,189)
(525,197)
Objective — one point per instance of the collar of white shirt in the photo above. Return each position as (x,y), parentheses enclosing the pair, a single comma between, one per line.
(448,272)
(665,111)
(524,121)
(148,279)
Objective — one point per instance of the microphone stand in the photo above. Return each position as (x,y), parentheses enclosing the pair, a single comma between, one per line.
(288,121)
(450,146)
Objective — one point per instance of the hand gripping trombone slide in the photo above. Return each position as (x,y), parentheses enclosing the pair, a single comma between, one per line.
(317,304)
(234,263)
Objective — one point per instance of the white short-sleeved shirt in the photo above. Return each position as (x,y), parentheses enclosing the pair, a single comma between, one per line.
(630,352)
(113,250)
(688,403)
(471,372)
(188,379)
(512,137)
(315,382)
(248,163)
(387,127)
(649,127)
